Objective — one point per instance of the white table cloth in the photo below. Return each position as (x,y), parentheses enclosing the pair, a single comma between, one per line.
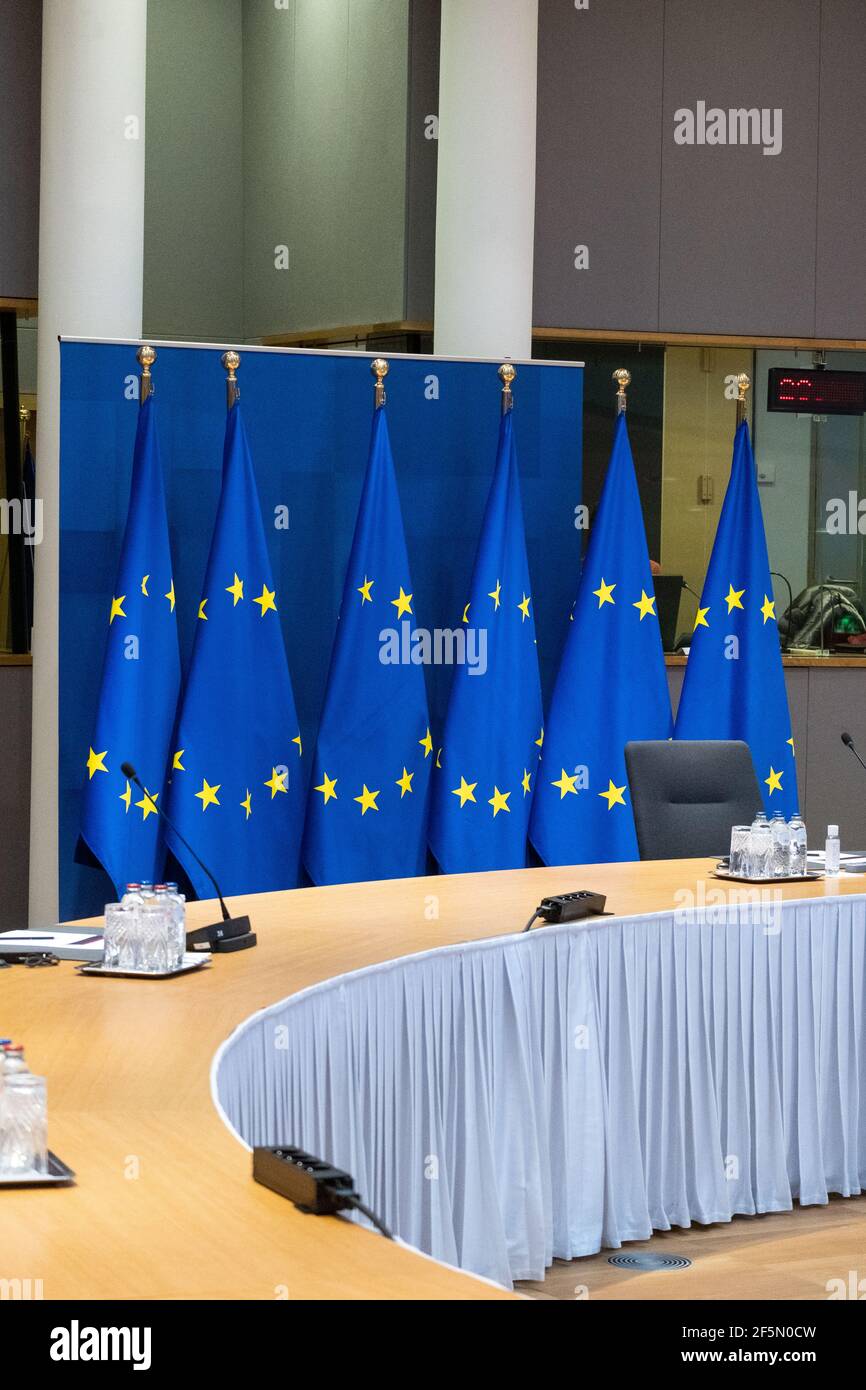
(511,1100)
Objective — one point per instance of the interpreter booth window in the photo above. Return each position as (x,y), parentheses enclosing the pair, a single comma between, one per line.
(811,466)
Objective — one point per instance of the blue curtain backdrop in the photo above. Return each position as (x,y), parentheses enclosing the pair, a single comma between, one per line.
(308,420)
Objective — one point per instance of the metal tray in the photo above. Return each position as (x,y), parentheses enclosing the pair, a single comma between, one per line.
(58,1175)
(193,960)
(740,878)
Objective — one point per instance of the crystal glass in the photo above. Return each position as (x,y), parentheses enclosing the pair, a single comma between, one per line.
(119,921)
(739,859)
(23,1136)
(760,857)
(156,920)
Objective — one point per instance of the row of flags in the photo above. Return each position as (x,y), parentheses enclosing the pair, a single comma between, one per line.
(223,755)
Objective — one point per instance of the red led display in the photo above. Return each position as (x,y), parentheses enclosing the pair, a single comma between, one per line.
(809,391)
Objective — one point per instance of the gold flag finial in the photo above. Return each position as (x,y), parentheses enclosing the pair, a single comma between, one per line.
(379,368)
(231,361)
(146,356)
(507,373)
(744,381)
(622,377)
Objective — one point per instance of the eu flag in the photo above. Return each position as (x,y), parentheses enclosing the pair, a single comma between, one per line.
(367,809)
(734,686)
(611,686)
(236,786)
(482,791)
(140,683)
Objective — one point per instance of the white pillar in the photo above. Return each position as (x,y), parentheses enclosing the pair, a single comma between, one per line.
(485,202)
(91,236)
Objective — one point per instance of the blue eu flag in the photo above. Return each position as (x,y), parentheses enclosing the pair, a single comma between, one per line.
(367,809)
(611,686)
(734,685)
(482,792)
(236,786)
(140,683)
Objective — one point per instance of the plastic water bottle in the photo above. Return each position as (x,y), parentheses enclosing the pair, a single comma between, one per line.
(781,845)
(798,860)
(132,897)
(831,851)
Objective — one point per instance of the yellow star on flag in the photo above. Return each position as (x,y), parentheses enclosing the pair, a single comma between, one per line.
(466,791)
(95,762)
(364,590)
(147,805)
(526,783)
(793,749)
(427,744)
(774,781)
(701,618)
(126,797)
(247,804)
(202,614)
(405,783)
(539,742)
(466,612)
(439,758)
(117,609)
(733,598)
(604,593)
(768,608)
(403,604)
(236,590)
(613,795)
(297,740)
(645,604)
(494,594)
(524,608)
(277,782)
(566,784)
(170,597)
(208,794)
(266,599)
(327,788)
(499,801)
(367,800)
(144,585)
(176,763)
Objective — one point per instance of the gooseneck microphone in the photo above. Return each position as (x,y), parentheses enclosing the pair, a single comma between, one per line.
(849,743)
(232,933)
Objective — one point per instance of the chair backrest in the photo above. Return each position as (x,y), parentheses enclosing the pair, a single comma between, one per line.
(686,795)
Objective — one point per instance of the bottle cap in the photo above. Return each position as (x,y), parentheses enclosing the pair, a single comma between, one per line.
(131,886)
(832,832)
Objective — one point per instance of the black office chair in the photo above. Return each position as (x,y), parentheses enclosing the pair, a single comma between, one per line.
(686,795)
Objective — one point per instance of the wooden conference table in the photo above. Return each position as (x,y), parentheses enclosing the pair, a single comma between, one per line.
(165,1206)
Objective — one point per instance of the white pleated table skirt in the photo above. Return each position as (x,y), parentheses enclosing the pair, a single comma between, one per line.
(546,1095)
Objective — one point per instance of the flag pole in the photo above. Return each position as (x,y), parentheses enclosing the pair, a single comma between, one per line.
(622,377)
(379,368)
(744,381)
(507,373)
(146,356)
(231,361)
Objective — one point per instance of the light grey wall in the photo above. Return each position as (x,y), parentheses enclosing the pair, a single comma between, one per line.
(193,223)
(20,73)
(421,158)
(325,117)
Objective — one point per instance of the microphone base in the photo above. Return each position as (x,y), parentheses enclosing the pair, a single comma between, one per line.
(234,934)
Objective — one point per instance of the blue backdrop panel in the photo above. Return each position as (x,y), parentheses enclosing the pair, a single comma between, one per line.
(308,420)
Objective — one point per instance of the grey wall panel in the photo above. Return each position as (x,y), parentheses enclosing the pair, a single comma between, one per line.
(598,158)
(15,693)
(421,153)
(835,785)
(840,297)
(20,72)
(738,226)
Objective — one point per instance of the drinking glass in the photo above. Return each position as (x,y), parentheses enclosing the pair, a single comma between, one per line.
(157,924)
(23,1141)
(118,921)
(760,856)
(739,858)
